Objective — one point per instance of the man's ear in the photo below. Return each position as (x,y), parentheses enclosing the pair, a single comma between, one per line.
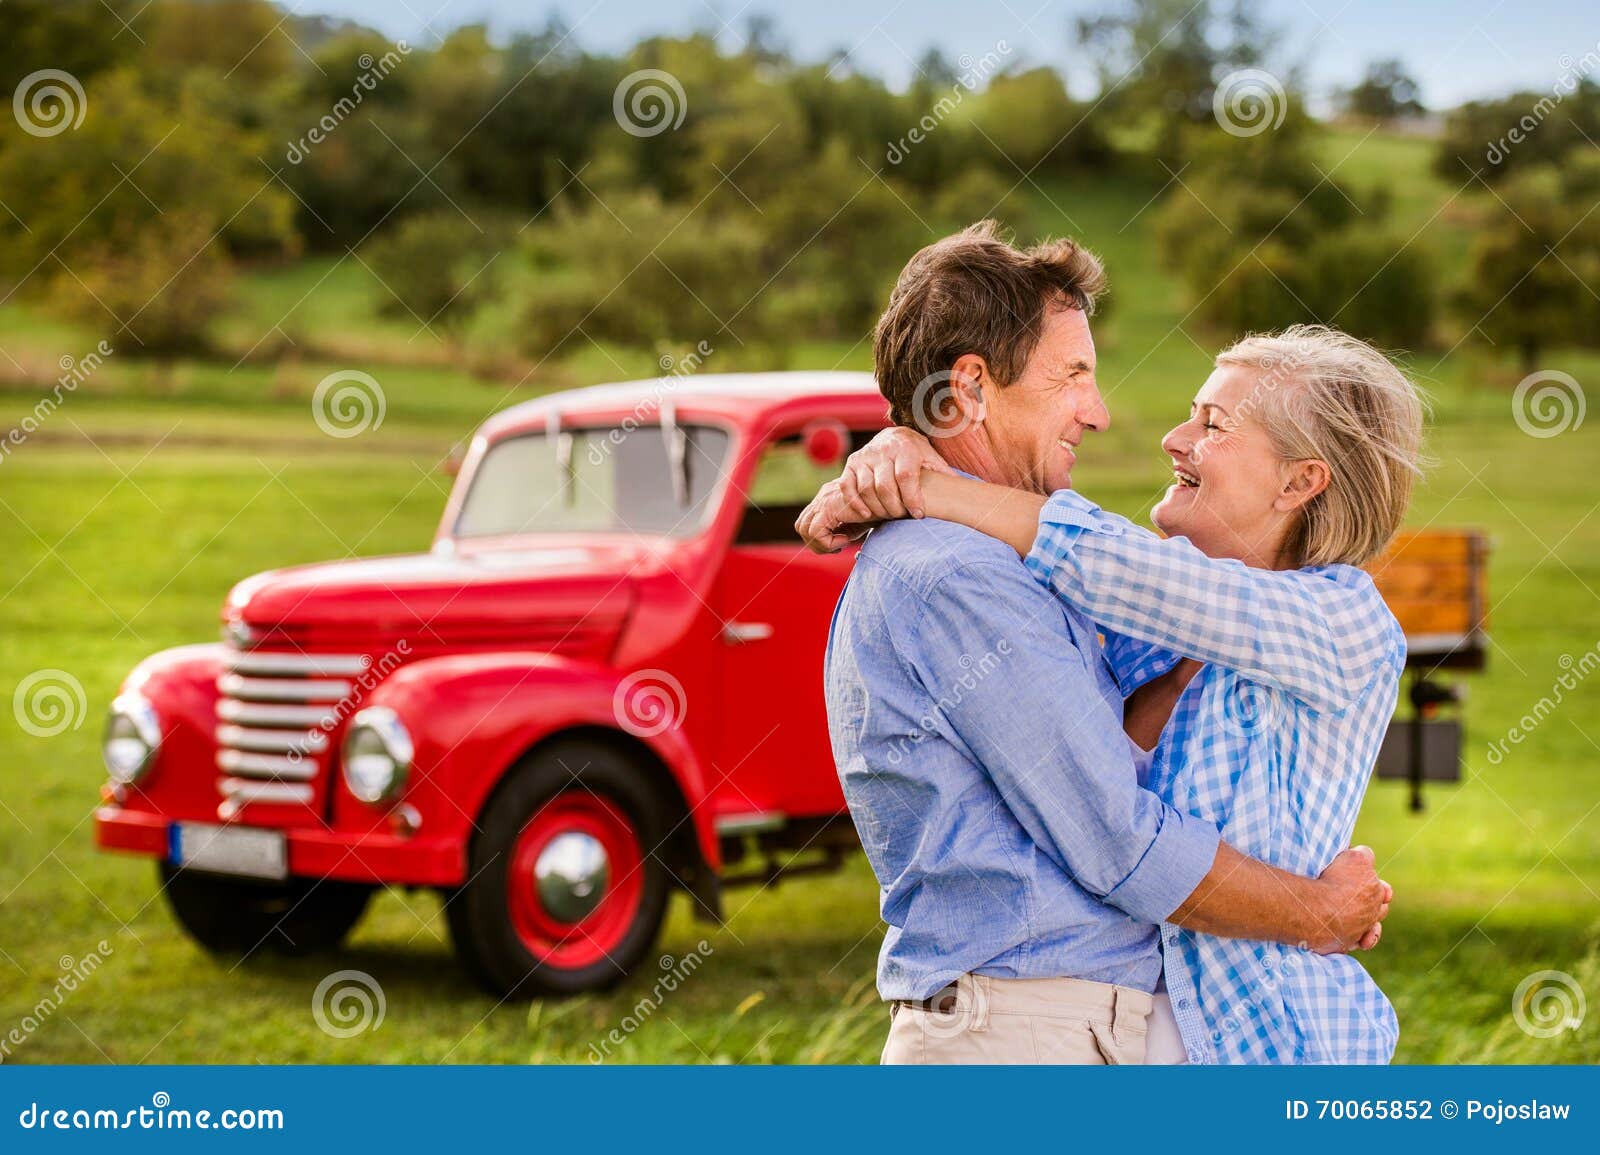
(1302,481)
(967,377)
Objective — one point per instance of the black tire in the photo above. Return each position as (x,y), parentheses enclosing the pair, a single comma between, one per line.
(231,916)
(575,775)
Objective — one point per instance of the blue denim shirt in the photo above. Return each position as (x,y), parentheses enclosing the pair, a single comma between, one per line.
(978,736)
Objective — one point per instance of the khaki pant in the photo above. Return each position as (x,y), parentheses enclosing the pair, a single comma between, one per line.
(1023,1021)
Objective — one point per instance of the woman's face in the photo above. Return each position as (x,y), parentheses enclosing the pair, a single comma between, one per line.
(1231,495)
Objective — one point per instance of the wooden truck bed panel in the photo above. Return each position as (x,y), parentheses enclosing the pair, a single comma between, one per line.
(1434,581)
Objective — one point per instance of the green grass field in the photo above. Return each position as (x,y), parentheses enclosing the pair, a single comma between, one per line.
(126,519)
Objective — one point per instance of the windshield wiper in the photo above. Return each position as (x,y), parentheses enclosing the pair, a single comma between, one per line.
(564,442)
(677,453)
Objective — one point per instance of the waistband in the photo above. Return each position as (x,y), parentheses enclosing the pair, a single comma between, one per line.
(973,998)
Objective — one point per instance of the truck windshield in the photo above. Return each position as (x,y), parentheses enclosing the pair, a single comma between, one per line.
(595,480)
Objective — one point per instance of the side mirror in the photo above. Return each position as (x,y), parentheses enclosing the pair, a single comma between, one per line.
(826,442)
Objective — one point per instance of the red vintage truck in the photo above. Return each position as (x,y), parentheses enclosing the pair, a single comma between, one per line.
(602,684)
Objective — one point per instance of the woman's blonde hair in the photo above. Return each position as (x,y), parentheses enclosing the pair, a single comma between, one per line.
(1326,395)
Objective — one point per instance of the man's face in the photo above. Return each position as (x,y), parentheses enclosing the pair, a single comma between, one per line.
(1034,424)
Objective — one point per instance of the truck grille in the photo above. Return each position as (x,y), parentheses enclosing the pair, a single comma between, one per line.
(276,714)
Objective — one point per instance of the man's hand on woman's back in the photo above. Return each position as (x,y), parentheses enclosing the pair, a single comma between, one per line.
(1357,902)
(1340,910)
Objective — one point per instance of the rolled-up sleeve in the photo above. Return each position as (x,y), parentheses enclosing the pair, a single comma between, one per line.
(993,649)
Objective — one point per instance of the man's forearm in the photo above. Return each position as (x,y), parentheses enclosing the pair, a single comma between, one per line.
(1241,897)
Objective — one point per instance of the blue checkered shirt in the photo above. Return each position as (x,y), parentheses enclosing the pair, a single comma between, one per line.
(1274,740)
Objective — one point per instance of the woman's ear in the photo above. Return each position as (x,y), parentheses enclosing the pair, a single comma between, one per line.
(1302,481)
(967,377)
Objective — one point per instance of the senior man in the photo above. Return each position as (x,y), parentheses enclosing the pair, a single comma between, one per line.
(1022,867)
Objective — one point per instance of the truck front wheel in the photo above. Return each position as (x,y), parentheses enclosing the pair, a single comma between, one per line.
(564,894)
(230,916)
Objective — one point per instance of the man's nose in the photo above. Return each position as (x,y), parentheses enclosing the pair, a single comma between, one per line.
(1093,414)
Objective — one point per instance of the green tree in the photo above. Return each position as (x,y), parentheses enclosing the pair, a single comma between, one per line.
(1532,267)
(1386,92)
(356,141)
(440,266)
(1496,138)
(1239,191)
(1372,282)
(163,289)
(1029,118)
(642,273)
(141,177)
(1262,238)
(80,37)
(1160,60)
(831,261)
(242,40)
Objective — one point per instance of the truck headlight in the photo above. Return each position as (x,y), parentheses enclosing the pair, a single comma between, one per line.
(377,754)
(133,735)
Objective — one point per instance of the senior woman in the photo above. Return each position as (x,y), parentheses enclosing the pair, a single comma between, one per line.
(1260,665)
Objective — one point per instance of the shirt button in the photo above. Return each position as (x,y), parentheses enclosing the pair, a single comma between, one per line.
(1183,1004)
(1194,1054)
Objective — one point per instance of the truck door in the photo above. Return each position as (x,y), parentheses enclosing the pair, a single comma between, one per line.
(774,599)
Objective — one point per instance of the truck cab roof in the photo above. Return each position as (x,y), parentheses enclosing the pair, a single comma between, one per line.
(737,397)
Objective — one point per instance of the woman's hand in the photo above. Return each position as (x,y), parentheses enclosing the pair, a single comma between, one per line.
(830,522)
(885,474)
(882,481)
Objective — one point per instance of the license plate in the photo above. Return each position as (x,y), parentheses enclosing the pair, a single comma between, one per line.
(240,850)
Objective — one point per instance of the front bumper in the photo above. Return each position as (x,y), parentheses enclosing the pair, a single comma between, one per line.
(381,859)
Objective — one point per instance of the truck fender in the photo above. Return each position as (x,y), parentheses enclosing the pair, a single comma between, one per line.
(472,716)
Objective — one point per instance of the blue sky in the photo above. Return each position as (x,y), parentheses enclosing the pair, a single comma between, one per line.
(1458,50)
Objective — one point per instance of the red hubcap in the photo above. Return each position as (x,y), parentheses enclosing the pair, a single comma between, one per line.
(550,933)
